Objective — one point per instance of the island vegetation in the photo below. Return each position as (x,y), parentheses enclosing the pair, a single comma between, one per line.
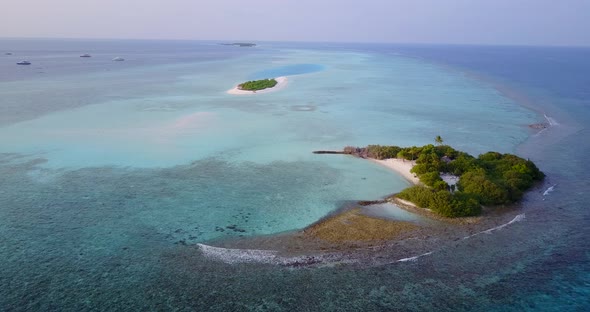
(491,179)
(240,44)
(256,85)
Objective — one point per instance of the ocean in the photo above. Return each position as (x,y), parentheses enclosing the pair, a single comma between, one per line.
(117,176)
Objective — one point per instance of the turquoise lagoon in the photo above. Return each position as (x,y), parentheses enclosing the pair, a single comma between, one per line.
(185,120)
(113,172)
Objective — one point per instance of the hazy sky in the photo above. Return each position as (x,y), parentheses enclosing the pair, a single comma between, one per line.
(537,22)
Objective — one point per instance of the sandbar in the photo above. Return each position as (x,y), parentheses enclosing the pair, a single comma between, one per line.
(281,84)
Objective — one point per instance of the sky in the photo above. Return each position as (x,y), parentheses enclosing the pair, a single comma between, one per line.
(510,22)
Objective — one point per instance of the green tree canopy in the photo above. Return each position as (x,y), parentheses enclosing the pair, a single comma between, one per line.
(490,179)
(256,85)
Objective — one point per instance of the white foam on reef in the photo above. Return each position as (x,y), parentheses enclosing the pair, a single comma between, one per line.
(551,121)
(234,256)
(518,218)
(412,259)
(549,190)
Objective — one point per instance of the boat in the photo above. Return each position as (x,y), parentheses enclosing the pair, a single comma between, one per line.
(85,55)
(23,63)
(118,59)
(8,53)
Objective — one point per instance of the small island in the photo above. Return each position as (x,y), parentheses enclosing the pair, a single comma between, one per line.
(462,196)
(450,189)
(240,44)
(452,183)
(256,85)
(259,86)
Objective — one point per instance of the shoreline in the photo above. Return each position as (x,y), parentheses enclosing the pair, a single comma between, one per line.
(401,167)
(349,236)
(281,84)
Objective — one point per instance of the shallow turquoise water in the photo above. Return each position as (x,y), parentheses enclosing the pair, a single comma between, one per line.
(393,212)
(110,176)
(288,70)
(190,120)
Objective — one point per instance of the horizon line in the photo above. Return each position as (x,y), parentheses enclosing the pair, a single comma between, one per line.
(303,41)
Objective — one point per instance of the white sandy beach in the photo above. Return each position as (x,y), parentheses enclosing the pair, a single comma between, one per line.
(403,167)
(281,84)
(400,166)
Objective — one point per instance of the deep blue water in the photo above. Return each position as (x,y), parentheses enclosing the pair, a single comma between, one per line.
(553,80)
(102,237)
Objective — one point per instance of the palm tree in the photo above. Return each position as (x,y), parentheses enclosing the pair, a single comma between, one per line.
(402,154)
(438,140)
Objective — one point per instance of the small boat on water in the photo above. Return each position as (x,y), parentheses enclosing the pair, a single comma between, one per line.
(8,53)
(118,59)
(85,55)
(23,63)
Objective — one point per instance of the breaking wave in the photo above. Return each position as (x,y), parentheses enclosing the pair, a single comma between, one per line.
(415,257)
(549,190)
(518,218)
(233,256)
(550,120)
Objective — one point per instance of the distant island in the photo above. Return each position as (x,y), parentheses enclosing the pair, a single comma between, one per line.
(452,183)
(240,44)
(259,86)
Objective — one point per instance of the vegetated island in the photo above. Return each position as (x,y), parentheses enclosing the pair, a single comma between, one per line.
(259,86)
(452,186)
(240,44)
(255,85)
(453,183)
